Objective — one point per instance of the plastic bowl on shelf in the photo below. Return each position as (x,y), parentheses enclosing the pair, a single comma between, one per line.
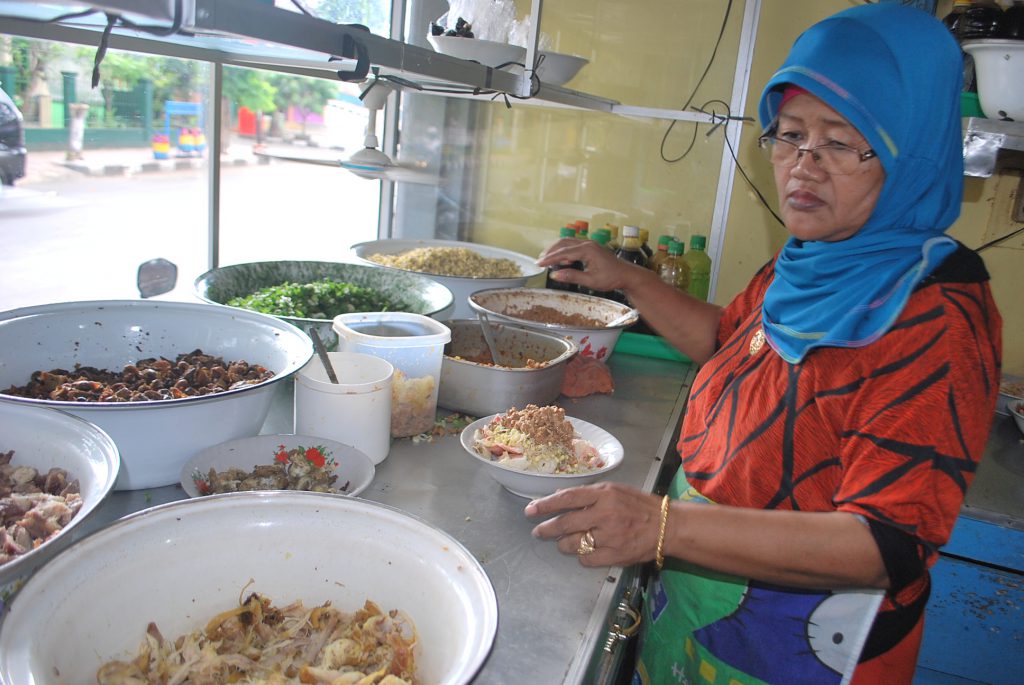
(558,68)
(999,65)
(487,52)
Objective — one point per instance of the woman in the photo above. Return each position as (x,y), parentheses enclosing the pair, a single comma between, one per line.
(845,396)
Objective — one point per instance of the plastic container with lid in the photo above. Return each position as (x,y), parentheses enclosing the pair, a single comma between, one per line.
(414,344)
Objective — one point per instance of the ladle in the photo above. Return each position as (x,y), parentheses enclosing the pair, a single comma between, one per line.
(322,351)
(485,328)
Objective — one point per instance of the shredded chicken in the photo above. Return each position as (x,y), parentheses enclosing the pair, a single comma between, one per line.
(34,506)
(257,643)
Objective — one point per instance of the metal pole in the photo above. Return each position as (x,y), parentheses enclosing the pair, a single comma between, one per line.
(216,123)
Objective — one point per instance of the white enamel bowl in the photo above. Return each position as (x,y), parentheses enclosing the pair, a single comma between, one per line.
(45,438)
(533,485)
(180,564)
(154,438)
(509,304)
(354,469)
(1011,389)
(460,286)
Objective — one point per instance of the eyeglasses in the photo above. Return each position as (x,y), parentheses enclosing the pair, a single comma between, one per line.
(833,158)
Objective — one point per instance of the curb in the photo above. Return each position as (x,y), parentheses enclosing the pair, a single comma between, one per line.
(153,166)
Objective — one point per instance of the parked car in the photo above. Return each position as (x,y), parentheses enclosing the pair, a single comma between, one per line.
(12,141)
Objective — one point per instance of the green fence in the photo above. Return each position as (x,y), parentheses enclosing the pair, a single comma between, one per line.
(95,138)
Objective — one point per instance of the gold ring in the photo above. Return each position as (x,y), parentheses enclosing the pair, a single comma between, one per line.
(587,544)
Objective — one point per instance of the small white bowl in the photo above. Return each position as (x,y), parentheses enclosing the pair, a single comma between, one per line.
(182,563)
(1017,411)
(354,469)
(460,286)
(45,438)
(490,53)
(507,304)
(558,68)
(533,485)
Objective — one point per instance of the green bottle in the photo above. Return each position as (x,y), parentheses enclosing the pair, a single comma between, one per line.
(700,267)
(566,232)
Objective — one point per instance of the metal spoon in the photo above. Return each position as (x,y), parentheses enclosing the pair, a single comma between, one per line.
(322,351)
(485,328)
(621,319)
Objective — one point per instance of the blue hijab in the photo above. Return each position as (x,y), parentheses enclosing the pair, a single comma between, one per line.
(895,73)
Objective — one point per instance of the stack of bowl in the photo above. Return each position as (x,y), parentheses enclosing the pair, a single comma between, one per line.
(593,323)
(155,438)
(473,382)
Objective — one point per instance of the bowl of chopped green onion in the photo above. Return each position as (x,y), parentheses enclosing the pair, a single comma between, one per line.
(310,294)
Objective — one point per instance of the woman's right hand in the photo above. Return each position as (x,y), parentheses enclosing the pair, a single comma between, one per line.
(602,270)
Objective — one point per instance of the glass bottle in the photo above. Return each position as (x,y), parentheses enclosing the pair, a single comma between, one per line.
(673,269)
(661,254)
(566,232)
(700,267)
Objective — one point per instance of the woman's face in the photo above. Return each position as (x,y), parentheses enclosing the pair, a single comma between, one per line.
(816,205)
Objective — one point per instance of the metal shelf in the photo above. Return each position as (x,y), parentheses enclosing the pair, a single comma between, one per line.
(984,139)
(245,33)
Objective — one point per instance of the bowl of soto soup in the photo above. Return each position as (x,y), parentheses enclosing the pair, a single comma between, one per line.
(310,294)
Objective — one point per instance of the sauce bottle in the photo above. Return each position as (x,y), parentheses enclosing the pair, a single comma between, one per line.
(644,237)
(631,252)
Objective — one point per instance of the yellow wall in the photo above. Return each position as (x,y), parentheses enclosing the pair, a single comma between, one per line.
(543,167)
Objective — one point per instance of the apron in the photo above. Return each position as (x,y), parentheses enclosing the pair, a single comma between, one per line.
(708,628)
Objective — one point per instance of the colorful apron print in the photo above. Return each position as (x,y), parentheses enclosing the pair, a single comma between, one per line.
(706,628)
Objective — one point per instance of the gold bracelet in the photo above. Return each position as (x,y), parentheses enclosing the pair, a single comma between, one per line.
(659,556)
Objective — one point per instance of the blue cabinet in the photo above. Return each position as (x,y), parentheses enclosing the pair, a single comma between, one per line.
(974,625)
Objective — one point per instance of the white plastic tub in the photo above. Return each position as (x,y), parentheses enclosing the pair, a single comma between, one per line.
(999,65)
(414,345)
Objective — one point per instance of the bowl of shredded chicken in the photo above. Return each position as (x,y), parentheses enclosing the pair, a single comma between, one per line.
(257,587)
(535,451)
(55,470)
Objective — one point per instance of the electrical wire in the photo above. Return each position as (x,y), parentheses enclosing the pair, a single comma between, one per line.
(693,94)
(996,241)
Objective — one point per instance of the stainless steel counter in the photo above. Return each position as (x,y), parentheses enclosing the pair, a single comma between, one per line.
(551,610)
(997,493)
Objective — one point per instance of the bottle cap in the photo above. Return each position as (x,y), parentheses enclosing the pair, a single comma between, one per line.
(600,237)
(644,235)
(675,248)
(698,242)
(664,239)
(567,232)
(630,232)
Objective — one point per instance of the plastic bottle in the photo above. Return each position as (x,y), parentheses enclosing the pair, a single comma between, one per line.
(674,270)
(645,235)
(700,268)
(631,252)
(955,16)
(606,237)
(661,254)
(566,232)
(601,237)
(613,242)
(582,229)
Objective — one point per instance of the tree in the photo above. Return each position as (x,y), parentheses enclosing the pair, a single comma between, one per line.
(305,93)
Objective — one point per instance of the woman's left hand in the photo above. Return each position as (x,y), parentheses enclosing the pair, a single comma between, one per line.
(622,521)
